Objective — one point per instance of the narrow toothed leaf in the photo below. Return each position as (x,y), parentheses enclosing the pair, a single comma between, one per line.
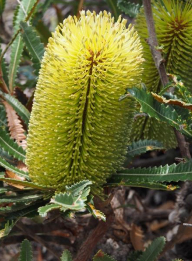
(131,9)
(3,119)
(77,95)
(100,256)
(21,14)
(4,66)
(20,199)
(11,147)
(180,172)
(142,146)
(20,109)
(45,209)
(160,111)
(66,256)
(3,190)
(78,187)
(67,201)
(10,167)
(149,185)
(26,184)
(25,251)
(16,51)
(13,208)
(33,44)
(152,251)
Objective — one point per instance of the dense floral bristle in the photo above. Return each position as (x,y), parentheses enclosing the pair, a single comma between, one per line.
(78,128)
(173,24)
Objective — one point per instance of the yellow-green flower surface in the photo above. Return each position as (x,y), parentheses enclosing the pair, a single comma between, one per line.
(173,24)
(78,127)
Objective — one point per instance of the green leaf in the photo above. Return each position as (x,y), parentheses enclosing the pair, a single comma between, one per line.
(75,198)
(67,201)
(11,147)
(66,256)
(78,187)
(7,157)
(43,31)
(2,6)
(7,228)
(130,9)
(3,190)
(28,211)
(134,255)
(16,51)
(33,44)
(100,256)
(26,198)
(24,9)
(45,209)
(23,183)
(25,251)
(3,119)
(13,208)
(159,111)
(149,185)
(152,252)
(4,66)
(10,167)
(142,146)
(17,47)
(113,6)
(20,109)
(167,173)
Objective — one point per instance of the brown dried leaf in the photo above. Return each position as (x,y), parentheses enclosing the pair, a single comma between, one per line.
(137,236)
(15,126)
(155,225)
(17,133)
(12,175)
(173,102)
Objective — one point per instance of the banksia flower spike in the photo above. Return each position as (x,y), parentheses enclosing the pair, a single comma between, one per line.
(173,24)
(78,128)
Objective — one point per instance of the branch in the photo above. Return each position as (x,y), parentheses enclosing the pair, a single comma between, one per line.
(159,63)
(80,7)
(153,43)
(95,236)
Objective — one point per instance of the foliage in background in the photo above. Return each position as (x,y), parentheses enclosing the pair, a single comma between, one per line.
(150,254)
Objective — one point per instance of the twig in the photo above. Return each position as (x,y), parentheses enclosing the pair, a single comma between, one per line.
(157,57)
(95,236)
(183,145)
(159,63)
(80,7)
(29,233)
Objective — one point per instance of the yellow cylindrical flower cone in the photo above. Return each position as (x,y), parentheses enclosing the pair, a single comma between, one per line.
(78,128)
